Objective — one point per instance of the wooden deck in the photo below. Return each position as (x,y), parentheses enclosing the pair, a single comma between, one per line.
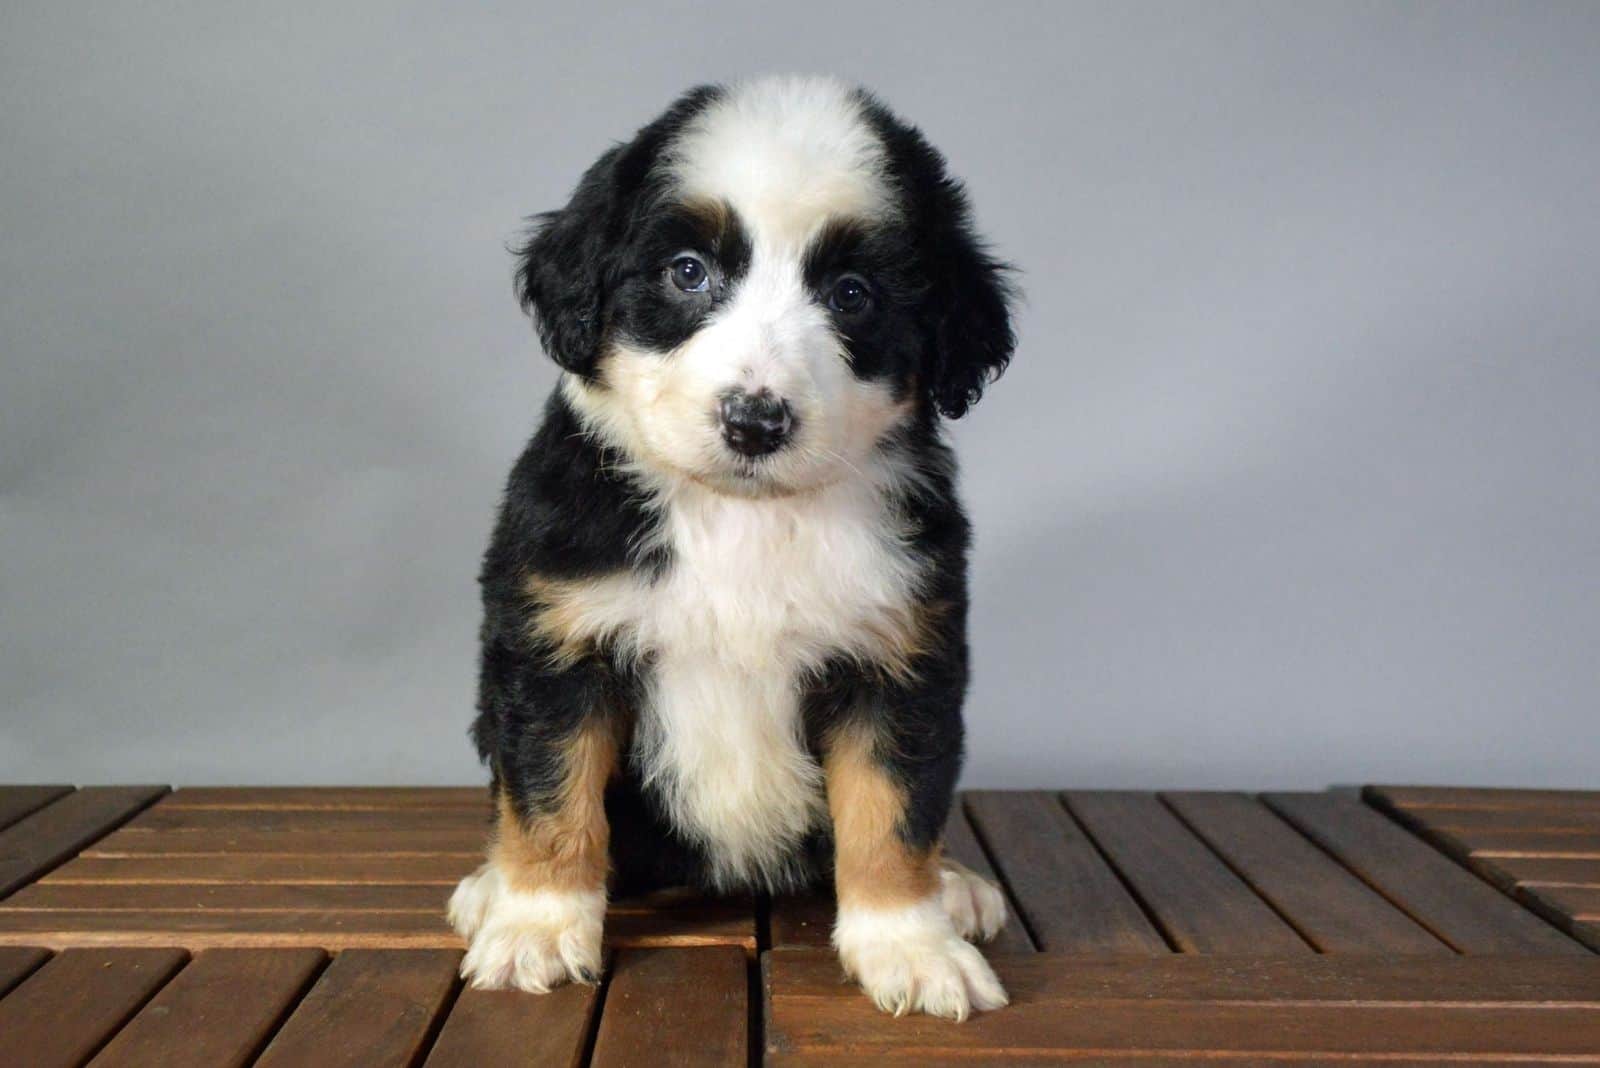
(1399,926)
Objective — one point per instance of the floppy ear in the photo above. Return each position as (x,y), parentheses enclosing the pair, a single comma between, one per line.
(571,262)
(970,301)
(561,273)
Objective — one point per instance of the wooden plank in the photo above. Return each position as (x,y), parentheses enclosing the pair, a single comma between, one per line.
(705,924)
(67,1009)
(1332,909)
(961,844)
(1579,902)
(494,1027)
(17,963)
(218,1012)
(1481,797)
(370,1008)
(1065,893)
(328,797)
(1200,905)
(159,819)
(463,842)
(36,843)
(228,897)
(675,1007)
(801,920)
(1555,871)
(1553,821)
(19,801)
(432,869)
(1097,1010)
(1457,906)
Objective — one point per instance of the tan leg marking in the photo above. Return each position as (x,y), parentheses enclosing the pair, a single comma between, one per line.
(564,848)
(873,866)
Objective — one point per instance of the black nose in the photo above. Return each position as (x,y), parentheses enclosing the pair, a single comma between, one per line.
(754,424)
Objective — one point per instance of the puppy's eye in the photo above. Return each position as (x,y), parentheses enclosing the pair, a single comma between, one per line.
(849,295)
(690,275)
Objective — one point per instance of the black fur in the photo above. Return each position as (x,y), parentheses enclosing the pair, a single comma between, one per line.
(937,322)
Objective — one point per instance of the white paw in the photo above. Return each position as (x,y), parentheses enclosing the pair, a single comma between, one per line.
(530,940)
(913,960)
(975,906)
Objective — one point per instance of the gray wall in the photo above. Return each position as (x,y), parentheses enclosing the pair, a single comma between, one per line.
(1294,479)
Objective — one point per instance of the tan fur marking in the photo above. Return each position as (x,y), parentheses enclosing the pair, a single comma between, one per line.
(564,848)
(900,638)
(873,867)
(557,618)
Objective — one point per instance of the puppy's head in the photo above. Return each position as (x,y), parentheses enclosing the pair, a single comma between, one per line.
(763,284)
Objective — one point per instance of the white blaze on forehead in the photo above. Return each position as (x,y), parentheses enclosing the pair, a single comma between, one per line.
(787,154)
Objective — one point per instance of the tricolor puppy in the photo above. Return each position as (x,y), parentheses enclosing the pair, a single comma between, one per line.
(725,603)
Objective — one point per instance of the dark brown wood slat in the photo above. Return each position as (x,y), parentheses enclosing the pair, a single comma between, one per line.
(181,822)
(1457,906)
(19,801)
(1579,902)
(675,1007)
(17,963)
(1488,797)
(1064,891)
(329,797)
(1470,821)
(1556,871)
(434,869)
(1096,1010)
(1201,905)
(38,842)
(715,923)
(67,1009)
(1332,909)
(962,845)
(495,1027)
(370,1008)
(467,842)
(801,920)
(1580,846)
(218,1012)
(228,896)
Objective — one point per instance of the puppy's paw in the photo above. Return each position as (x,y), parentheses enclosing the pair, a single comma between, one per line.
(976,906)
(529,940)
(913,960)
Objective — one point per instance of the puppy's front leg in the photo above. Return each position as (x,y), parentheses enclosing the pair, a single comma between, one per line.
(894,933)
(533,914)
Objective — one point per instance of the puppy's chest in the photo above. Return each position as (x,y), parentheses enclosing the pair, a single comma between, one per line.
(776,586)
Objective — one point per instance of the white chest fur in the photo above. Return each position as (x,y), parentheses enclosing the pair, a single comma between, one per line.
(759,593)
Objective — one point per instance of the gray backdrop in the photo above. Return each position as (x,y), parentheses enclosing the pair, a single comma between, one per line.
(1294,479)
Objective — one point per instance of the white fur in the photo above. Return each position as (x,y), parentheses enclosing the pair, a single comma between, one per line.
(530,940)
(912,959)
(976,906)
(786,152)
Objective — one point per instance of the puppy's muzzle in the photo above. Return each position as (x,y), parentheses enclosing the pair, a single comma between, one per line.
(755,424)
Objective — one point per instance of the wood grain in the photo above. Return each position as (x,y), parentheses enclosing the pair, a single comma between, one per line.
(1332,909)
(329,797)
(961,844)
(432,869)
(671,1007)
(67,1009)
(370,1008)
(216,1013)
(38,842)
(1201,905)
(495,1027)
(1064,891)
(18,801)
(1457,906)
(464,842)
(1067,1009)
(17,963)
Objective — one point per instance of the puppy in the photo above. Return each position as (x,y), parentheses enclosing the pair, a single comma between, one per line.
(725,602)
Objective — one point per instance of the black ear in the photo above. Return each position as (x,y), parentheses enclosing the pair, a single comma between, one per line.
(970,301)
(570,266)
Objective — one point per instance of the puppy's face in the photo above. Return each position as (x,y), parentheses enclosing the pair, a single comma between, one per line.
(763,285)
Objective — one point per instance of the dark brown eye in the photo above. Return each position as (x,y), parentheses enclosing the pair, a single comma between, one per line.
(689,275)
(849,295)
